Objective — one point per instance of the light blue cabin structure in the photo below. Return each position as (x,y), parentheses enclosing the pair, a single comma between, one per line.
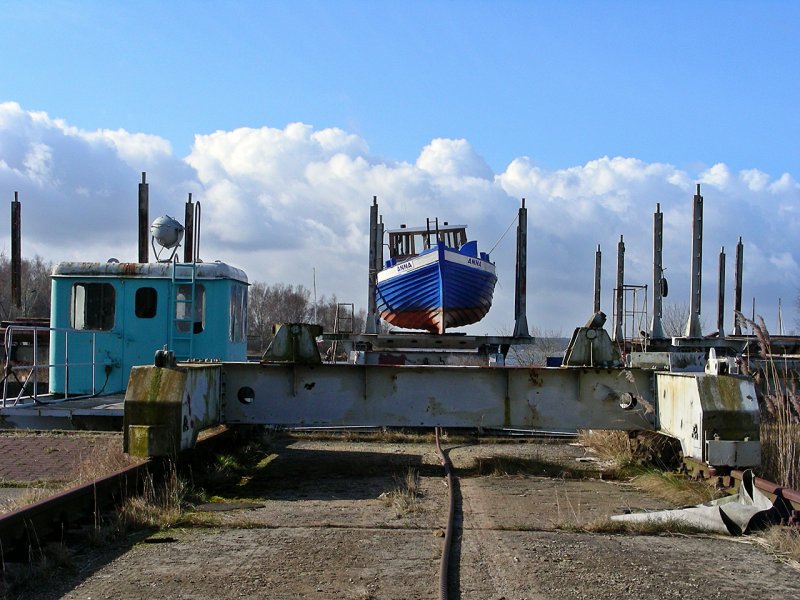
(109,317)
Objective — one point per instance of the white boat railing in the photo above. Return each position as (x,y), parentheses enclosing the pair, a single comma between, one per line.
(32,369)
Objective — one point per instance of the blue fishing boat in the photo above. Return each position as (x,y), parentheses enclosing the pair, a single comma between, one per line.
(434,279)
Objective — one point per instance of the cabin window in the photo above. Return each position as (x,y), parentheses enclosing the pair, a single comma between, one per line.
(146,302)
(92,306)
(190,310)
(238,316)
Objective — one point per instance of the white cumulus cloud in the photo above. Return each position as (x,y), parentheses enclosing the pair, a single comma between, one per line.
(285,203)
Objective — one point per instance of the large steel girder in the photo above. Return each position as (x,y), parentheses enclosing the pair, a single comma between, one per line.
(552,399)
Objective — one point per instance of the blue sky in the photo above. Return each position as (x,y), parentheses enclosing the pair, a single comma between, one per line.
(690,85)
(563,82)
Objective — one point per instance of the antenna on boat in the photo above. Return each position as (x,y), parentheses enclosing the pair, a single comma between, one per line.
(168,233)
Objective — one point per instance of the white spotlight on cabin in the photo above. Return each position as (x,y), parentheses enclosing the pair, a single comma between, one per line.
(167,233)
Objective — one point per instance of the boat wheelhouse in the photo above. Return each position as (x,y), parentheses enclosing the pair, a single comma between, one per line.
(434,279)
(109,317)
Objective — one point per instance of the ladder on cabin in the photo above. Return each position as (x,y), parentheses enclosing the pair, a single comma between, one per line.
(181,329)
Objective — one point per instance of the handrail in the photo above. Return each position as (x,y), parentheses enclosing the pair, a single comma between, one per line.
(34,368)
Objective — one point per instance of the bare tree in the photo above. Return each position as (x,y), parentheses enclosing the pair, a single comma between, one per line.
(282,303)
(269,305)
(675,316)
(547,342)
(34,291)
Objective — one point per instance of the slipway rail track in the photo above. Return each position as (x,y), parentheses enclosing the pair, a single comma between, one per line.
(30,527)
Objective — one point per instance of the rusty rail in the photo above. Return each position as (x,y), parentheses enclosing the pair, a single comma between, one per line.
(773,490)
(444,564)
(30,527)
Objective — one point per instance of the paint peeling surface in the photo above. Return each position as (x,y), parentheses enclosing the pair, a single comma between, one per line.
(200,406)
(213,270)
(697,408)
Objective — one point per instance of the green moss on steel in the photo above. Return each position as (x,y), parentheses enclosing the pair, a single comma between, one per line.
(153,405)
(155,384)
(721,392)
(725,409)
(137,442)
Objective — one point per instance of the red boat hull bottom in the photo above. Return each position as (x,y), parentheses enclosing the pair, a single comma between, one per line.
(434,320)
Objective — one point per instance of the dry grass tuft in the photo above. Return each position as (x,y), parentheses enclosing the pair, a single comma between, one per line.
(625,454)
(614,447)
(783,541)
(159,506)
(676,488)
(404,498)
(780,450)
(607,525)
(511,466)
(105,458)
(31,495)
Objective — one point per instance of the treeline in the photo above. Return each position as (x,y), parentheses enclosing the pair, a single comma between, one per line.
(282,303)
(35,289)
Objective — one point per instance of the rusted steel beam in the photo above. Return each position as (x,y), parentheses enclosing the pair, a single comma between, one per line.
(188,232)
(16,252)
(144,220)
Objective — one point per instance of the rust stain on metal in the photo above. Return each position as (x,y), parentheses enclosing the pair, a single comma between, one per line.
(129,269)
(534,378)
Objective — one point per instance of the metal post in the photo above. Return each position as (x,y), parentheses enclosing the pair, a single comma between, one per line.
(521,283)
(144,219)
(597,267)
(737,290)
(371,326)
(619,335)
(721,295)
(35,363)
(656,328)
(188,232)
(693,324)
(16,252)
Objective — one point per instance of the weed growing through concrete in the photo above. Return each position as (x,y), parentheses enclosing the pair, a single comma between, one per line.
(623,454)
(676,488)
(159,506)
(404,498)
(511,466)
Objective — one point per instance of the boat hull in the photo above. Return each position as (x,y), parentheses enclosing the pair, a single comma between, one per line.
(435,291)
